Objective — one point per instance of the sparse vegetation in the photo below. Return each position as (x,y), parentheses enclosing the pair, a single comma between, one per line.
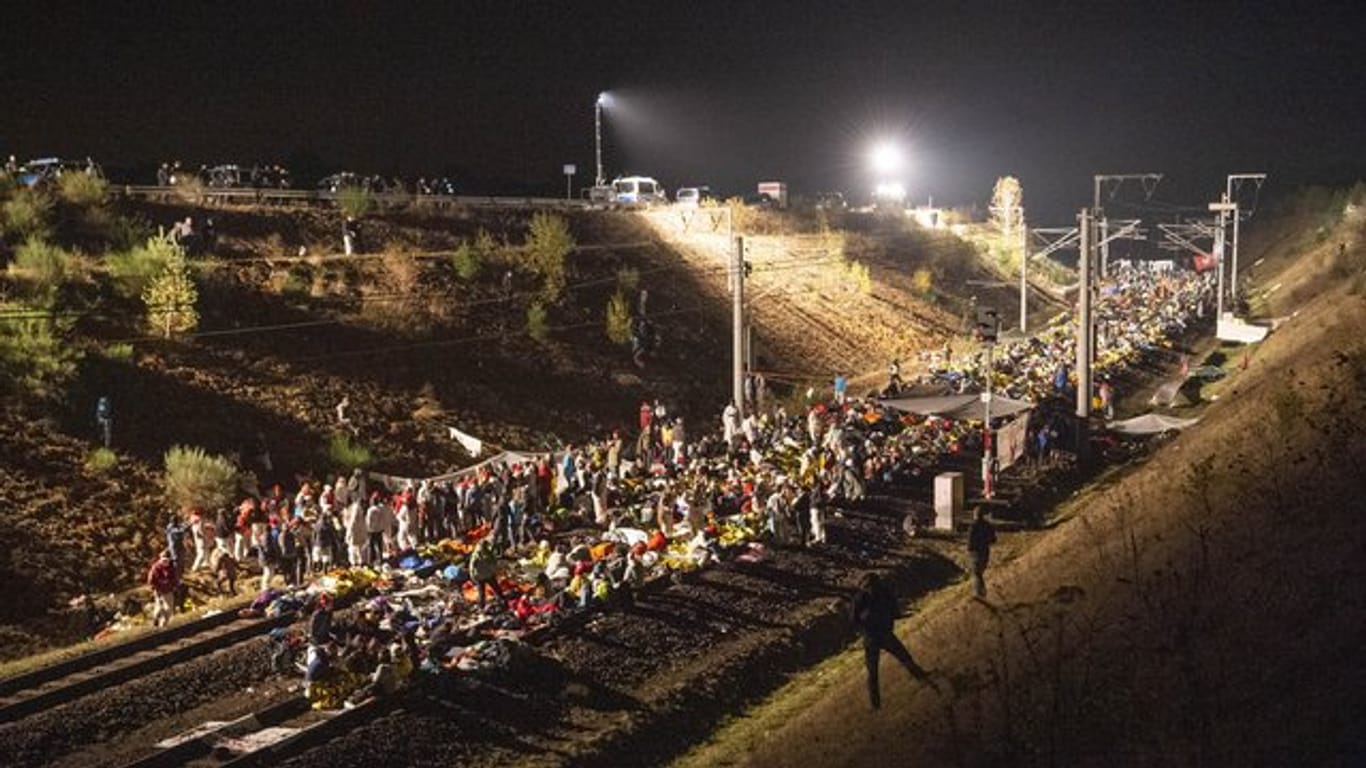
(196,478)
(100,461)
(120,352)
(346,453)
(27,214)
(171,297)
(37,359)
(619,318)
(126,232)
(536,325)
(547,247)
(41,268)
(922,282)
(81,188)
(861,277)
(628,279)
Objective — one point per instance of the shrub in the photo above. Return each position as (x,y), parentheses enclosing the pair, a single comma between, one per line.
(548,244)
(345,453)
(81,188)
(922,282)
(171,297)
(125,233)
(466,261)
(536,326)
(628,279)
(197,478)
(41,267)
(122,353)
(619,318)
(100,461)
(28,214)
(485,247)
(355,201)
(742,217)
(36,358)
(133,270)
(863,279)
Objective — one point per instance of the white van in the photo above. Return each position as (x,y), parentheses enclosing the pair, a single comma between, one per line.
(638,190)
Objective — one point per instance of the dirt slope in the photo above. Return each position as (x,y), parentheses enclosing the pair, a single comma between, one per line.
(1204,609)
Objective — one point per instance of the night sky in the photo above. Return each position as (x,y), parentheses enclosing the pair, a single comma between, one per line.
(500,95)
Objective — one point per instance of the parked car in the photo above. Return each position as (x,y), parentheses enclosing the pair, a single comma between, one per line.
(46,170)
(638,190)
(692,197)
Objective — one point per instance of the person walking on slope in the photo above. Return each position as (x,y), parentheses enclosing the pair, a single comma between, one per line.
(163,578)
(875,612)
(980,538)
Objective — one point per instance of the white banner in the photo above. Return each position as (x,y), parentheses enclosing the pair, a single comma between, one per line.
(472,445)
(1010,441)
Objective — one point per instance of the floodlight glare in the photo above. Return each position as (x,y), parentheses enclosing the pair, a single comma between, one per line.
(885,157)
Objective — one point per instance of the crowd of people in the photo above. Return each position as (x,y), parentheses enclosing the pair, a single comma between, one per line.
(549,533)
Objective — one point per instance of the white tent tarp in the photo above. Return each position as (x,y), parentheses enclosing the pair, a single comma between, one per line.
(1149,424)
(959,407)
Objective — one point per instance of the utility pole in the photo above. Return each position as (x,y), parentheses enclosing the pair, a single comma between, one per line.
(988,329)
(598,180)
(1223,207)
(1024,275)
(1230,195)
(1084,247)
(737,287)
(1104,225)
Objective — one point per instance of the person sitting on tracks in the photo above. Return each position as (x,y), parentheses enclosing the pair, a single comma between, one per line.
(163,579)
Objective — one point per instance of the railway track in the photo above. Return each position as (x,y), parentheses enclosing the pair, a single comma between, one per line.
(264,737)
(54,685)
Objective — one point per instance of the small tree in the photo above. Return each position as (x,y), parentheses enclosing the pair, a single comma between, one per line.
(197,478)
(466,261)
(134,270)
(548,245)
(1007,199)
(355,201)
(171,297)
(536,326)
(619,318)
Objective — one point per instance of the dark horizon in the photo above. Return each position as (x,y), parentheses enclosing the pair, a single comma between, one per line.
(500,96)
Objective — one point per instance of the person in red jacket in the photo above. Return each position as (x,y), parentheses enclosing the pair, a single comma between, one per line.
(163,580)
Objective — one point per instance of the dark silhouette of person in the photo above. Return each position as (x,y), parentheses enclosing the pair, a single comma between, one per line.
(874,613)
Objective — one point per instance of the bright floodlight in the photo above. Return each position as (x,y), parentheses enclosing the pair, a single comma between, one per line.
(604,99)
(885,157)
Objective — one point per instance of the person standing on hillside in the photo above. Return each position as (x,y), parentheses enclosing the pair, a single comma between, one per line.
(874,613)
(163,579)
(980,538)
